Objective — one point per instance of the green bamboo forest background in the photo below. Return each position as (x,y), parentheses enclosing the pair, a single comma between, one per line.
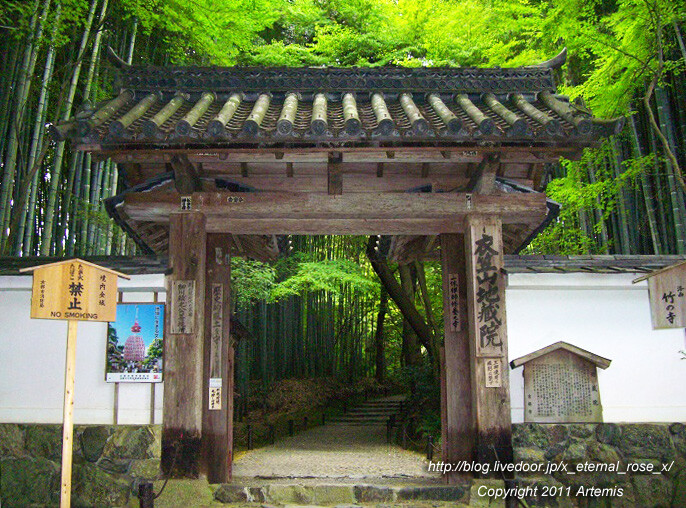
(320,311)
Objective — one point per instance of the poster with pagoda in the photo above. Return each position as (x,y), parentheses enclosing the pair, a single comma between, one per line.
(135,344)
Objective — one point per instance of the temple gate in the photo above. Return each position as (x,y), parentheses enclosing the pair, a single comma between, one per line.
(449,162)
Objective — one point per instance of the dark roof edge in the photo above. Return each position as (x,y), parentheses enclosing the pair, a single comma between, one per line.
(589,263)
(136,265)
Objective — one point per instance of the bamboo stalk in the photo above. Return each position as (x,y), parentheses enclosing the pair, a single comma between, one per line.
(319,123)
(183,127)
(350,115)
(551,126)
(217,125)
(383,117)
(284,125)
(419,124)
(56,173)
(483,123)
(451,121)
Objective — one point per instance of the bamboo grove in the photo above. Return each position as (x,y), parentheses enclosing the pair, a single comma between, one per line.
(320,312)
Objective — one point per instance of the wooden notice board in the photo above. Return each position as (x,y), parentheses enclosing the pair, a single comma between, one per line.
(561,384)
(74,290)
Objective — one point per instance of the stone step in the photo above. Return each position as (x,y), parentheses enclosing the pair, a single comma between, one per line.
(379,412)
(357,418)
(343,494)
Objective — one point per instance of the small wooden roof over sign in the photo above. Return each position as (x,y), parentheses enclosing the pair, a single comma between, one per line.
(599,361)
(77,260)
(667,290)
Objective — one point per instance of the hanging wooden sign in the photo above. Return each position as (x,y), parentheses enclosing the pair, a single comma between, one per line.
(667,292)
(75,290)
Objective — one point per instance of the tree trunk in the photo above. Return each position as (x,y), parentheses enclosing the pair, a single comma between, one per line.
(380,345)
(406,306)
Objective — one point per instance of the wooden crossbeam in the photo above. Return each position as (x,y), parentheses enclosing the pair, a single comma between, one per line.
(370,213)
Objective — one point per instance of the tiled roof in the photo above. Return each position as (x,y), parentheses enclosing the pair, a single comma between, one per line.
(248,106)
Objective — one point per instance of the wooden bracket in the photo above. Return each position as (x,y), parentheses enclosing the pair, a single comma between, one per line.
(482,180)
(335,176)
(186,177)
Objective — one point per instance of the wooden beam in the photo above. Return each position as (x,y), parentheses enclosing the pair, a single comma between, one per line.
(185,175)
(335,176)
(183,346)
(389,213)
(217,423)
(488,339)
(463,153)
(459,429)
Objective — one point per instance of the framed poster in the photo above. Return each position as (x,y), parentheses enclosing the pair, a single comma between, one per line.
(135,344)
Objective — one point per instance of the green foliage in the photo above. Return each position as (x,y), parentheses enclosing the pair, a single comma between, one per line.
(250,280)
(329,275)
(205,31)
(154,352)
(577,194)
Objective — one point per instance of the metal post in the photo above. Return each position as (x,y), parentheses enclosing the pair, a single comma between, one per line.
(290,427)
(146,495)
(272,434)
(430,447)
(249,437)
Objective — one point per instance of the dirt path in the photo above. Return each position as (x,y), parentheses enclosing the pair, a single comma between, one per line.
(334,451)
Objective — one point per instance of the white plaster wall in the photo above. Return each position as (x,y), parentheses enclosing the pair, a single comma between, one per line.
(32,356)
(605,314)
(609,316)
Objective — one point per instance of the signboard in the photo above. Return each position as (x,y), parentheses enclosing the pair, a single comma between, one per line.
(182,305)
(668,298)
(215,402)
(135,344)
(454,299)
(561,387)
(489,307)
(493,372)
(75,290)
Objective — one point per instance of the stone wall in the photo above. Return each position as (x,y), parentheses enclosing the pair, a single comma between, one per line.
(647,448)
(111,461)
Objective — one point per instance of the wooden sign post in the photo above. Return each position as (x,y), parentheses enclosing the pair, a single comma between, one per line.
(74,290)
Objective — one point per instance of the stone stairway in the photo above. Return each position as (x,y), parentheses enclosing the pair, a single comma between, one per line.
(372,412)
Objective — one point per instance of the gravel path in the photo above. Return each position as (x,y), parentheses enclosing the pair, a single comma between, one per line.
(334,451)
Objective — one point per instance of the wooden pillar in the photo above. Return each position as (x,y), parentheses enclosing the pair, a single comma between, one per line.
(183,347)
(488,339)
(217,425)
(458,431)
